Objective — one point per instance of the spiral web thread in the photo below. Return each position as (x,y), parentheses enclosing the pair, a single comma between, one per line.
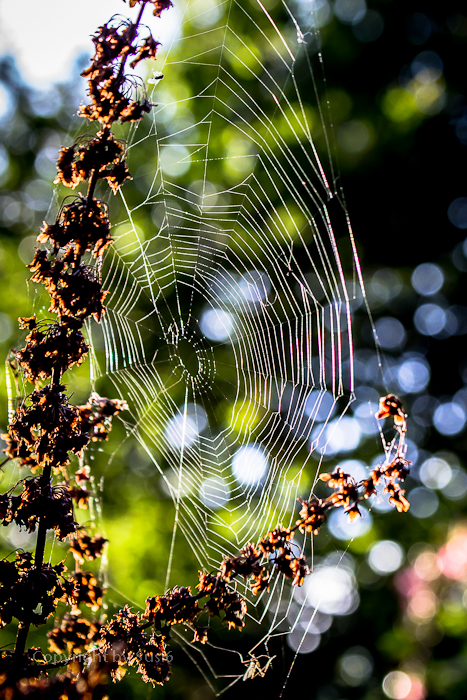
(248,223)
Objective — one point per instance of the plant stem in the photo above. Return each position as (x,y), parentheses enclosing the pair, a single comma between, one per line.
(21,637)
(42,529)
(23,627)
(90,192)
(135,27)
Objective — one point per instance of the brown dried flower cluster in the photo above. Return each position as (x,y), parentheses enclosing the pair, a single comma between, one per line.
(276,551)
(87,547)
(110,90)
(141,640)
(49,345)
(44,429)
(82,226)
(30,593)
(74,635)
(51,504)
(96,416)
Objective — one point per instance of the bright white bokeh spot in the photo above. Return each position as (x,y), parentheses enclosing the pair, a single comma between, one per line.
(435,473)
(430,319)
(385,284)
(214,492)
(380,500)
(391,333)
(423,502)
(385,557)
(397,685)
(412,451)
(183,430)
(340,435)
(166,106)
(198,414)
(17,537)
(206,13)
(216,324)
(317,12)
(449,418)
(350,11)
(309,619)
(427,279)
(249,465)
(413,375)
(341,528)
(354,468)
(330,589)
(6,103)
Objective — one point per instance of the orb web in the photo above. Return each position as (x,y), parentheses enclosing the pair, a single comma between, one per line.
(229,314)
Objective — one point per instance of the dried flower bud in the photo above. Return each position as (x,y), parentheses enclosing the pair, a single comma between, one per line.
(50,347)
(38,502)
(81,226)
(147,49)
(46,430)
(246,564)
(276,539)
(312,515)
(391,405)
(177,605)
(87,590)
(159,5)
(84,547)
(74,635)
(96,416)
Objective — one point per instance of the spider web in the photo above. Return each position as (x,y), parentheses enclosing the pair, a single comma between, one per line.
(229,315)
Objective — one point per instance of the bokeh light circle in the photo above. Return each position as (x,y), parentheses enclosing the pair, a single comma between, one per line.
(423,502)
(457,212)
(427,279)
(249,465)
(449,418)
(397,685)
(391,333)
(413,375)
(385,557)
(216,324)
(430,319)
